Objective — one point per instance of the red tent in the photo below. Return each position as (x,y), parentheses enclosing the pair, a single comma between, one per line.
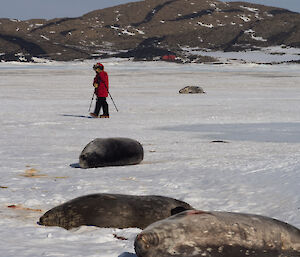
(170,57)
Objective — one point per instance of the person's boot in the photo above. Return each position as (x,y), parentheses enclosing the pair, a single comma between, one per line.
(93,115)
(104,116)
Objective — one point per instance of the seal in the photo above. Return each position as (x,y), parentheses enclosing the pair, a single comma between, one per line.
(103,152)
(113,211)
(218,234)
(191,90)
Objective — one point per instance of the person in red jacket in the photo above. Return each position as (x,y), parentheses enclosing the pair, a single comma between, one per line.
(101,91)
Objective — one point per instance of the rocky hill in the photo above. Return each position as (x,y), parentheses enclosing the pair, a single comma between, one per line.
(149,29)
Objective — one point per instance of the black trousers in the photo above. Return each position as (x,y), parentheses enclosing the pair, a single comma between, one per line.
(101,103)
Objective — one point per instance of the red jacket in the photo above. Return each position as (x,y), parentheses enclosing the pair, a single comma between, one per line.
(101,79)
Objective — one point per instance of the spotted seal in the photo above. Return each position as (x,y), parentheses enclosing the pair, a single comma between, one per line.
(218,234)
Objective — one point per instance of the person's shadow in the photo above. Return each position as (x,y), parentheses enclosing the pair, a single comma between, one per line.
(77,116)
(126,254)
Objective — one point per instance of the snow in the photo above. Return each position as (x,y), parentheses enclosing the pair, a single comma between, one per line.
(250,9)
(140,31)
(258,38)
(123,31)
(255,108)
(276,54)
(244,18)
(205,25)
(44,37)
(251,32)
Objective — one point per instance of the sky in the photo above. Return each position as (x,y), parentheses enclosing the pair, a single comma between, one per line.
(29,9)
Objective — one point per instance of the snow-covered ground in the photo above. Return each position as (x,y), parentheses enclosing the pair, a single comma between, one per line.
(255,108)
(271,55)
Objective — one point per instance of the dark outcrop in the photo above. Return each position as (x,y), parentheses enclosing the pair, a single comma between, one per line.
(123,30)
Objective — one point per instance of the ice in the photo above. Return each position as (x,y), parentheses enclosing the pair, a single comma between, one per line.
(43,107)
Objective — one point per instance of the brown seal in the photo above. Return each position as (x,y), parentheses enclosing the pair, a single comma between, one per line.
(113,210)
(191,90)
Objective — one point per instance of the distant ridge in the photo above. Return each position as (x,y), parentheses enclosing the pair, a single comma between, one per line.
(150,29)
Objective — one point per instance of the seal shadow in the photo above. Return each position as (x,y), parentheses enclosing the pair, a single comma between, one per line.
(127,254)
(75,165)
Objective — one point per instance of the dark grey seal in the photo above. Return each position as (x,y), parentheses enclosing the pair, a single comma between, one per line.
(112,210)
(218,234)
(191,90)
(103,152)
